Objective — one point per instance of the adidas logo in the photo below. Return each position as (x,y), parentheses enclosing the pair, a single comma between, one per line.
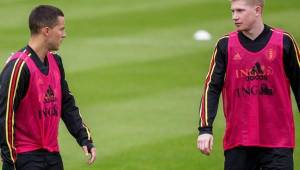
(256,73)
(49,96)
(256,69)
(237,57)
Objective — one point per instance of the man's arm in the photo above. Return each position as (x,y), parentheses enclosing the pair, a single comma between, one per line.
(73,119)
(14,81)
(210,98)
(213,87)
(291,61)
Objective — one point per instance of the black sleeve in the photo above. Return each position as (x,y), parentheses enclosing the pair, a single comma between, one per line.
(10,75)
(291,60)
(70,112)
(213,87)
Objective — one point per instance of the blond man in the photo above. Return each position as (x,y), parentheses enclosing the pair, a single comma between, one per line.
(254,68)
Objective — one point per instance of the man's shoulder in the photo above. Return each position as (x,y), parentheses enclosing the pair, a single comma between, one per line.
(222,42)
(8,66)
(285,33)
(12,58)
(57,56)
(12,65)
(288,37)
(58,59)
(223,38)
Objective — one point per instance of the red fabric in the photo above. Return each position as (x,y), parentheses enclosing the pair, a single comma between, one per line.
(256,96)
(37,118)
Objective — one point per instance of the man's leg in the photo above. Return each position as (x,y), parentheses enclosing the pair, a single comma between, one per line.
(241,158)
(54,161)
(277,159)
(30,161)
(6,165)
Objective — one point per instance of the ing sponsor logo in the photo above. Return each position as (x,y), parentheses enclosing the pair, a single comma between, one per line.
(254,90)
(257,72)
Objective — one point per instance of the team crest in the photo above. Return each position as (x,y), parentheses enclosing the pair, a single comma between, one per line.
(271,54)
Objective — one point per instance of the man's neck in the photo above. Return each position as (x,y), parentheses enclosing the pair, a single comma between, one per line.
(38,47)
(255,31)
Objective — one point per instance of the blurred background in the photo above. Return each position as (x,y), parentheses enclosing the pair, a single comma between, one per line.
(137,74)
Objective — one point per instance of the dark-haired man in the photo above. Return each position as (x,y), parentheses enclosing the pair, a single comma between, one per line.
(254,68)
(34,96)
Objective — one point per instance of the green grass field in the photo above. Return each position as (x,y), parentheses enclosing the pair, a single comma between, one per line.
(137,74)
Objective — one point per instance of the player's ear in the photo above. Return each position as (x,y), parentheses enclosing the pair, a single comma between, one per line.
(45,31)
(258,10)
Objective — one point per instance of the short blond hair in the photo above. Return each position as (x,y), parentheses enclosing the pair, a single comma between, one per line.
(255,2)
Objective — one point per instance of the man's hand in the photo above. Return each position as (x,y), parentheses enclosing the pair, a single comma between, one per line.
(205,143)
(91,153)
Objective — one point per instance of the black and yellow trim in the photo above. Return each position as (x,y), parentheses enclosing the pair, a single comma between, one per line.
(9,121)
(203,106)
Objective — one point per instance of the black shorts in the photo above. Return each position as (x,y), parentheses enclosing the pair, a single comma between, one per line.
(258,158)
(39,160)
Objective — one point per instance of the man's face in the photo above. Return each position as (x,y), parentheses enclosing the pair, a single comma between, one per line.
(56,34)
(244,15)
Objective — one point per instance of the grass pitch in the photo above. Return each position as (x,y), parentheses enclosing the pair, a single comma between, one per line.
(137,74)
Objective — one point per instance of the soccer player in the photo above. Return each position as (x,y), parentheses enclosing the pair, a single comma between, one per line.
(254,68)
(34,96)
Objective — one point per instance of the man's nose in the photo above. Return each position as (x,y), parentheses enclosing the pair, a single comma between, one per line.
(234,16)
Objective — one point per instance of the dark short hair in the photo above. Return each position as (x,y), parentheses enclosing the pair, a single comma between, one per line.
(43,16)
